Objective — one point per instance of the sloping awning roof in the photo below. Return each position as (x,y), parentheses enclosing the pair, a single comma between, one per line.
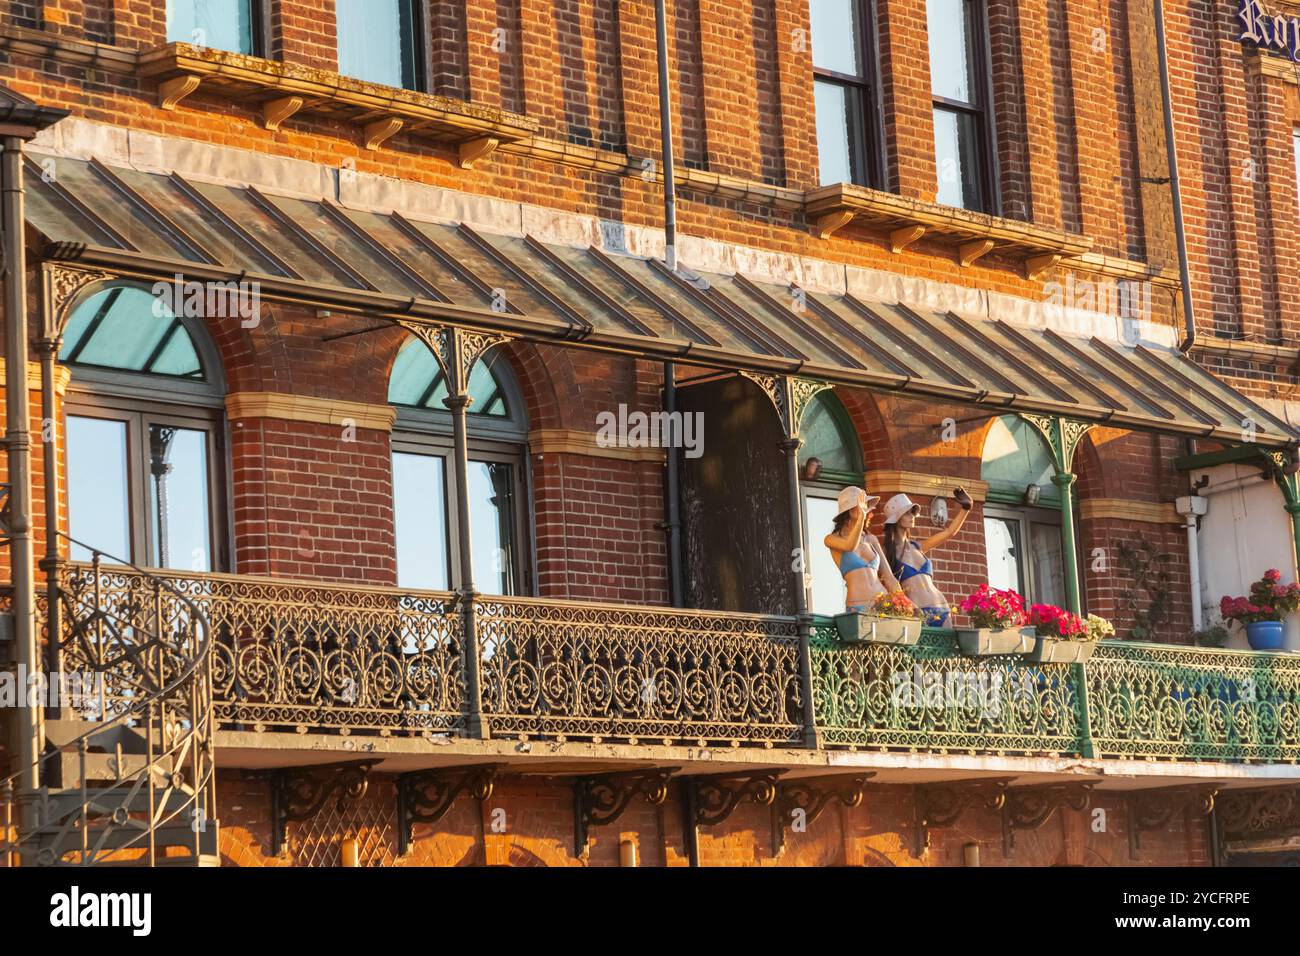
(387,265)
(22,117)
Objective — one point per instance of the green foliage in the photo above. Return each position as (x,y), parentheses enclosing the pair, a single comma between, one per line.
(1150,594)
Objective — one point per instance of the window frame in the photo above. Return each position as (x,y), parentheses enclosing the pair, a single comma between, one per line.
(421,52)
(867,158)
(1026,516)
(504,439)
(259,22)
(433,444)
(138,414)
(981,51)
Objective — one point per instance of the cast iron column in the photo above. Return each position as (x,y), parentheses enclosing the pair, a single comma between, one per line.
(791,447)
(18,446)
(458,402)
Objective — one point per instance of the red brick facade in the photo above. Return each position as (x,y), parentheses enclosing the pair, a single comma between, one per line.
(1080,149)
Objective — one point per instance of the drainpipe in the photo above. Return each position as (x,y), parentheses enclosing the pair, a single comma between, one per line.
(1175,185)
(1193,507)
(18,442)
(676,584)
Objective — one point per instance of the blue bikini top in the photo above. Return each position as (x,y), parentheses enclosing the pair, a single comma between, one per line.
(904,571)
(851,561)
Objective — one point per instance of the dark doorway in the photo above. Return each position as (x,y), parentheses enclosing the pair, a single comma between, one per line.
(736,503)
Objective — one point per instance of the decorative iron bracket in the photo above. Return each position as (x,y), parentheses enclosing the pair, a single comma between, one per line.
(799,803)
(1263,812)
(1062,435)
(1153,809)
(299,793)
(1029,808)
(61,289)
(425,796)
(789,395)
(601,799)
(709,800)
(455,349)
(939,806)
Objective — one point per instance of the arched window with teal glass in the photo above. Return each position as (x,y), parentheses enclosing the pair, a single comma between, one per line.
(1022,515)
(144,432)
(424,480)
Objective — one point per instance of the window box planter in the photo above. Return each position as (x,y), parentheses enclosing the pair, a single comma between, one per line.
(867,629)
(985,642)
(1053,650)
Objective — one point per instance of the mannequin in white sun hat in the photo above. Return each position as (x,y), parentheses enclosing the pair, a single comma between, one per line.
(857,553)
(907,558)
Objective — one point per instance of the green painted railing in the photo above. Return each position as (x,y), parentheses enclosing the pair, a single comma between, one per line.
(1144,701)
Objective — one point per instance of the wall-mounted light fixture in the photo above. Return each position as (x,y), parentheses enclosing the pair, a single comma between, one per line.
(350,852)
(971,854)
(628,854)
(1032,494)
(812,468)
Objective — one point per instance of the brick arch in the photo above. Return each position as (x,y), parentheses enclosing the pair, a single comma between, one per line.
(534,373)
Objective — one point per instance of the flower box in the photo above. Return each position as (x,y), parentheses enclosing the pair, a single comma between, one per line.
(1052,650)
(984,641)
(866,628)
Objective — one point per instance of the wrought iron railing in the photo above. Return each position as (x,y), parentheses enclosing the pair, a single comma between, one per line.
(317,657)
(1157,700)
(928,697)
(630,673)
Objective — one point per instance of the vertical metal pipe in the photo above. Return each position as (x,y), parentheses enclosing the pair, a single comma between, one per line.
(51,565)
(791,447)
(457,402)
(1194,571)
(672,490)
(1175,184)
(18,446)
(666,136)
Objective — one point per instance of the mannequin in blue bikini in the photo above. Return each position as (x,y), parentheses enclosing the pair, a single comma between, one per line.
(857,553)
(908,559)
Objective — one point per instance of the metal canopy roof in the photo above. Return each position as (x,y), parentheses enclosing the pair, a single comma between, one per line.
(390,266)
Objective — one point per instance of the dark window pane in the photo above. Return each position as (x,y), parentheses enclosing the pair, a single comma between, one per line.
(221,24)
(178,498)
(957,158)
(1002,545)
(1049,564)
(377,41)
(950,55)
(825,437)
(834,105)
(99,511)
(492,531)
(835,32)
(420,514)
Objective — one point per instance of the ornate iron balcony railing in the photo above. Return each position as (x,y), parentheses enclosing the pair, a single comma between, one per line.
(369,660)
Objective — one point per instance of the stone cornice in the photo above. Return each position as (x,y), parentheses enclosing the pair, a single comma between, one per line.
(919,483)
(62,376)
(568,441)
(1120,509)
(305,408)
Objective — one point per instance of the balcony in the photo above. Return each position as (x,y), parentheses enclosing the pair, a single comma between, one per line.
(365,662)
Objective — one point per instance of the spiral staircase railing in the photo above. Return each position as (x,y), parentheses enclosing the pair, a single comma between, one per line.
(137,784)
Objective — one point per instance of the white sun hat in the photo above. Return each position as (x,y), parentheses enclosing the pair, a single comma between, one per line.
(852,495)
(898,506)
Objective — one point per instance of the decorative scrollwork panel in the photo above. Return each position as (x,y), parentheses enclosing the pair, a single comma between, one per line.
(638,673)
(929,697)
(1181,703)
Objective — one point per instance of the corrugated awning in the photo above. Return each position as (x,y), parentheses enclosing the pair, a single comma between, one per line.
(321,253)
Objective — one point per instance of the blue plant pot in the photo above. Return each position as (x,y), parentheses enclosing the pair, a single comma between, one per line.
(1265,635)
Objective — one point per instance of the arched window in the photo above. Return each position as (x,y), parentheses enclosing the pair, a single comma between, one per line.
(424,478)
(144,433)
(1022,518)
(829,459)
